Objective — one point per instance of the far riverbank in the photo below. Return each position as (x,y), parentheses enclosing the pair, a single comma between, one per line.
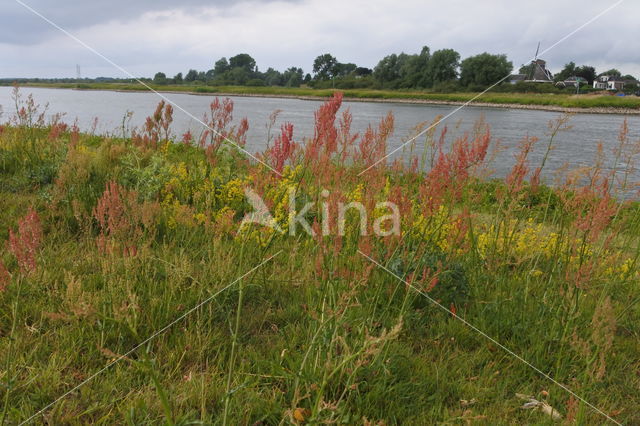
(587,103)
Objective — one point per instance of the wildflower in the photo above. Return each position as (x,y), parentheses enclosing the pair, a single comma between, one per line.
(515,179)
(283,148)
(26,242)
(122,219)
(187,138)
(156,128)
(5,277)
(200,218)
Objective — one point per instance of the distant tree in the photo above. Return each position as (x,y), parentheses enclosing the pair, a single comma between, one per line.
(387,71)
(273,78)
(342,70)
(191,76)
(307,78)
(484,69)
(529,70)
(569,70)
(160,78)
(220,67)
(238,76)
(363,71)
(414,69)
(405,71)
(293,77)
(613,72)
(202,76)
(177,78)
(443,66)
(244,61)
(324,67)
(587,72)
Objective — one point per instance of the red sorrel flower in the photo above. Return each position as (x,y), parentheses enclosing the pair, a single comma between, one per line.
(515,179)
(187,137)
(5,277)
(218,121)
(283,148)
(25,243)
(157,128)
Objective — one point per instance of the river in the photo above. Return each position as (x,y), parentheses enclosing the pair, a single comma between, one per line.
(576,147)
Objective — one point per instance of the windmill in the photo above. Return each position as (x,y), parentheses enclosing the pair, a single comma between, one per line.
(537,69)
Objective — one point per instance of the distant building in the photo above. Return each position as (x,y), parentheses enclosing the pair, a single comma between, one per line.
(572,81)
(516,78)
(609,82)
(537,73)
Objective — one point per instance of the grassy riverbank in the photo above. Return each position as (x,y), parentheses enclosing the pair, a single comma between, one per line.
(114,242)
(590,101)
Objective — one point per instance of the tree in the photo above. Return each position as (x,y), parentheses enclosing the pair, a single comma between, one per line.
(324,67)
(220,67)
(342,70)
(160,78)
(363,71)
(177,78)
(237,75)
(587,72)
(569,70)
(273,77)
(387,71)
(293,77)
(443,66)
(244,61)
(404,71)
(414,69)
(614,72)
(484,69)
(191,76)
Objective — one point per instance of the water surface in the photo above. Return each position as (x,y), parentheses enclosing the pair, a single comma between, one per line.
(577,147)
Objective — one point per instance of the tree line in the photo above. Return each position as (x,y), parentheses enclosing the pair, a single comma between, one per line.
(441,70)
(424,70)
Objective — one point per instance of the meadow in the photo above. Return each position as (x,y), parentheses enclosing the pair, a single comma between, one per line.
(491,287)
(562,100)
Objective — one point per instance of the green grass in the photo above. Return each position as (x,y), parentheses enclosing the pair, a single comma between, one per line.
(318,332)
(541,99)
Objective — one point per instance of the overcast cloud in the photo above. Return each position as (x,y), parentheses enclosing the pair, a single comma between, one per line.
(146,36)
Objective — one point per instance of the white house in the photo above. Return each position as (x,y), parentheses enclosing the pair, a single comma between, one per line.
(608,82)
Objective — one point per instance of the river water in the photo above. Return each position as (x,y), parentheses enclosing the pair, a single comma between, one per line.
(576,147)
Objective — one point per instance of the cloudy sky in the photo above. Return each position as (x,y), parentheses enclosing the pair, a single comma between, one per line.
(146,36)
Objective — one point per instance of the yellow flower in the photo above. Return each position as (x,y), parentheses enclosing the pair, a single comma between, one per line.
(200,218)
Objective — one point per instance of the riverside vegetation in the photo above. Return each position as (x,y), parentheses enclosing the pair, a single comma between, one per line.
(106,240)
(606,102)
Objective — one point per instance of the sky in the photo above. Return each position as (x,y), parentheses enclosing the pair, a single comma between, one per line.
(147,36)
